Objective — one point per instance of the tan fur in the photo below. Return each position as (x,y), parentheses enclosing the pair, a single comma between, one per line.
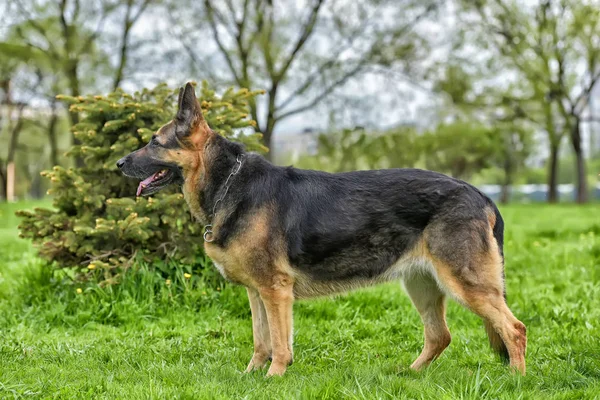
(479,287)
(161,135)
(249,260)
(429,300)
(491,215)
(191,162)
(191,158)
(257,260)
(278,300)
(260,332)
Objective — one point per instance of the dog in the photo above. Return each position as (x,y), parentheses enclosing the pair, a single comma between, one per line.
(286,234)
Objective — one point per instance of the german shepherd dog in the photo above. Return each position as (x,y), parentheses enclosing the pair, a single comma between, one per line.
(286,234)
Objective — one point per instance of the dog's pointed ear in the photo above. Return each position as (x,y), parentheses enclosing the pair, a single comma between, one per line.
(189,108)
(189,119)
(179,98)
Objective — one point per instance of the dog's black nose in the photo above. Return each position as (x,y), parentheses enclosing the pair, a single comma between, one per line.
(121,162)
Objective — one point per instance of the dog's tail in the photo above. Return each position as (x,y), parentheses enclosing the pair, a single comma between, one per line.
(496,341)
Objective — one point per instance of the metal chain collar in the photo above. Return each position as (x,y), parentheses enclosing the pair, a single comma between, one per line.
(208,233)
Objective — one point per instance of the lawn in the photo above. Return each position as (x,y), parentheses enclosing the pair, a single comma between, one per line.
(144,340)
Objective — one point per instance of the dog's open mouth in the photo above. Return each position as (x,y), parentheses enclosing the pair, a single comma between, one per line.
(155,182)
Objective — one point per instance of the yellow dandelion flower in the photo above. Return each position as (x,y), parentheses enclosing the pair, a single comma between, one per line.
(79,291)
(187,276)
(92,266)
(168,282)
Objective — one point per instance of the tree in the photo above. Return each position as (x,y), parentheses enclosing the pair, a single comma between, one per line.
(517,145)
(461,149)
(475,102)
(133,12)
(62,39)
(13,126)
(555,47)
(300,53)
(356,149)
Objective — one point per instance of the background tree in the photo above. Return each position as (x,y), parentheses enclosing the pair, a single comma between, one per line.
(300,53)
(553,47)
(62,40)
(11,124)
(358,149)
(461,149)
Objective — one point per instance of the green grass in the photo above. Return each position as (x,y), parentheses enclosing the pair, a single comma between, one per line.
(144,339)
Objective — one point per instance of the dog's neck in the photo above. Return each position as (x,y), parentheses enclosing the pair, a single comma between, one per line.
(218,161)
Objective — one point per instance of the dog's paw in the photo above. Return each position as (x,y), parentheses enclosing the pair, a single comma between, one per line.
(258,361)
(276,370)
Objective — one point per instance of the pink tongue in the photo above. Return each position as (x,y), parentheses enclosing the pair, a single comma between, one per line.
(145,183)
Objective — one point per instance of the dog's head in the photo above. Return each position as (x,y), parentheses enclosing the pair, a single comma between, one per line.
(174,150)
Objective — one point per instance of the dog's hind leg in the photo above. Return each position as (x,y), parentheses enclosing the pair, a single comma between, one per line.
(430,302)
(469,266)
(260,332)
(278,299)
(506,333)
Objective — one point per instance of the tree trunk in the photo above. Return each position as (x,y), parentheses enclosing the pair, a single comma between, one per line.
(52,136)
(271,122)
(553,174)
(505,193)
(10,182)
(509,167)
(35,186)
(10,159)
(582,192)
(507,183)
(35,189)
(267,139)
(71,72)
(3,183)
(123,53)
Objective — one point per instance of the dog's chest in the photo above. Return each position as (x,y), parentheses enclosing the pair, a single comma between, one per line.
(220,268)
(230,265)
(191,198)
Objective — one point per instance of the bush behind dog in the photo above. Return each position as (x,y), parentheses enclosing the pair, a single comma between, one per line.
(98,228)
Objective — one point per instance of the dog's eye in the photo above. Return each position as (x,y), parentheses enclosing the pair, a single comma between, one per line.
(154,141)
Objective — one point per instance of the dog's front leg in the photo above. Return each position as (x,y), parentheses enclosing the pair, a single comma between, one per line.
(278,300)
(260,332)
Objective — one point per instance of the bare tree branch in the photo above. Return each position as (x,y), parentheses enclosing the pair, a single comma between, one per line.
(325,66)
(224,51)
(325,92)
(199,63)
(582,100)
(128,24)
(40,29)
(305,34)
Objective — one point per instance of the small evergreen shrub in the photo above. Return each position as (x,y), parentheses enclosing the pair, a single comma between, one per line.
(98,227)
